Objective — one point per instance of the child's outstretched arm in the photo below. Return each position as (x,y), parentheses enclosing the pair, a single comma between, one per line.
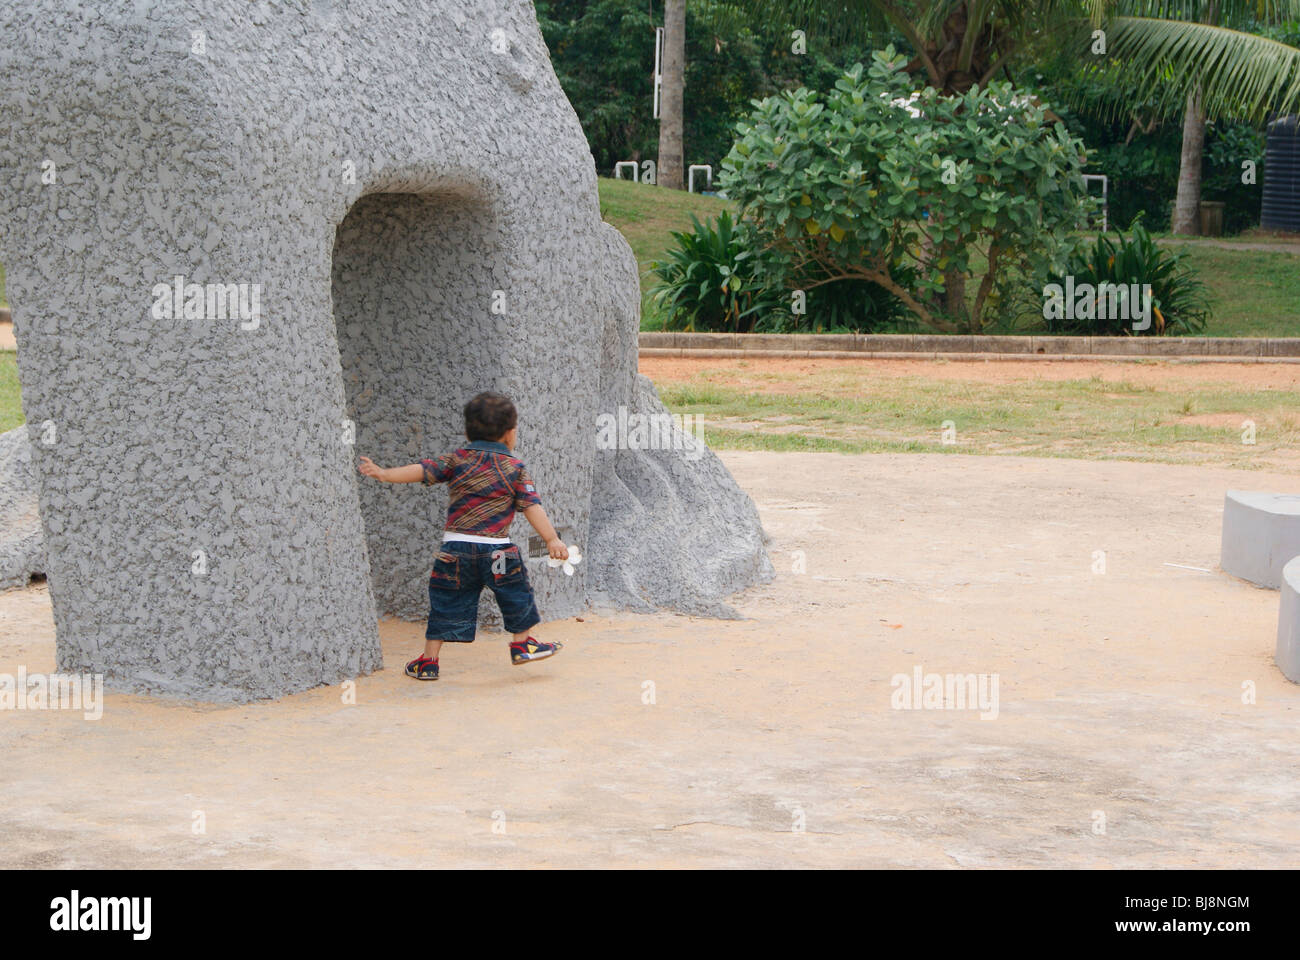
(542,524)
(411,473)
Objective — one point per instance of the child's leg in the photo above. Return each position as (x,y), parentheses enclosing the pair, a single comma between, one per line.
(454,586)
(519,610)
(514,595)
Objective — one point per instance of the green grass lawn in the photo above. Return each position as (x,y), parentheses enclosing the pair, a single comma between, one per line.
(11,410)
(860,409)
(1250,236)
(1255,293)
(646,215)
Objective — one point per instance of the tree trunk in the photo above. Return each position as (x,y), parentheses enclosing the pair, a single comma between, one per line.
(985,288)
(954,298)
(671,164)
(1187,204)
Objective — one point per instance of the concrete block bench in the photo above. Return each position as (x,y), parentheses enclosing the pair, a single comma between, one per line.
(1288,623)
(1261,534)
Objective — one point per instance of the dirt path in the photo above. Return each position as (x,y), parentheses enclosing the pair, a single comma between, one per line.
(1120,705)
(740,372)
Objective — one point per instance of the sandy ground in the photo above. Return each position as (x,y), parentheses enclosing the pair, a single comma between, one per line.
(1120,707)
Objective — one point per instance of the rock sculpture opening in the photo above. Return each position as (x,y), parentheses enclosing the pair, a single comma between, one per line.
(409,273)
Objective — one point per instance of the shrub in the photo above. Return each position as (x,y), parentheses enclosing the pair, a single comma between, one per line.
(841,305)
(716,278)
(880,183)
(1179,302)
(707,281)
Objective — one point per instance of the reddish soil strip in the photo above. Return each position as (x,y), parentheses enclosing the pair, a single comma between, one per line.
(1160,374)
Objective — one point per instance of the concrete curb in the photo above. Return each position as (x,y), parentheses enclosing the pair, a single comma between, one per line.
(912,346)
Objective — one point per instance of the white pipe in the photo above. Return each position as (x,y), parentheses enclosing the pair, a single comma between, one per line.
(690,176)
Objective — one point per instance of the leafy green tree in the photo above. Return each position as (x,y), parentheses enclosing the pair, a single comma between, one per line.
(603,54)
(602,51)
(955,44)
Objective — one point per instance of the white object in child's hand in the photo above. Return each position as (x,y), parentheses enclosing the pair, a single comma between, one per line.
(575,557)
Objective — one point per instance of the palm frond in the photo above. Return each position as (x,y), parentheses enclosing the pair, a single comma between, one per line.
(1240,75)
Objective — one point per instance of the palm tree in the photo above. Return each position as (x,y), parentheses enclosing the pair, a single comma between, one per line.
(1201,57)
(671,95)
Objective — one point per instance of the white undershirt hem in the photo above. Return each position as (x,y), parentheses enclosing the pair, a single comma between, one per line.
(450,536)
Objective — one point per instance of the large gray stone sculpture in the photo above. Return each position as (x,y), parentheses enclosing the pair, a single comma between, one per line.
(246,241)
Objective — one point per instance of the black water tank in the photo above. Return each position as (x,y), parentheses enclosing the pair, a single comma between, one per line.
(1280,209)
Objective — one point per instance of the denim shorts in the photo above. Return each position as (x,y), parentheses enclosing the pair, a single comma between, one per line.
(460,573)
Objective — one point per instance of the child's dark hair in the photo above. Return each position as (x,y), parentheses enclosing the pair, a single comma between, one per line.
(489,416)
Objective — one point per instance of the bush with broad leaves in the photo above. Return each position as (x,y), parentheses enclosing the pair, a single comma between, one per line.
(916,191)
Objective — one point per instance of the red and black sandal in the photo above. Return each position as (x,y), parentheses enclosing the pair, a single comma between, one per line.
(422,668)
(532,649)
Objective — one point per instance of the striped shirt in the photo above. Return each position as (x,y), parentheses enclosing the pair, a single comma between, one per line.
(486,486)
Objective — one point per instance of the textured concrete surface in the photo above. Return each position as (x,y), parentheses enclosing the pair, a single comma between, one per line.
(1288,623)
(1142,722)
(417,208)
(1261,534)
(22,548)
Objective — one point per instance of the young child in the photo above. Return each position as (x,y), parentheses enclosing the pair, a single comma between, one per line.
(487,485)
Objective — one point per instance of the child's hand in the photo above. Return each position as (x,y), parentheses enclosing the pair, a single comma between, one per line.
(557,549)
(369,469)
